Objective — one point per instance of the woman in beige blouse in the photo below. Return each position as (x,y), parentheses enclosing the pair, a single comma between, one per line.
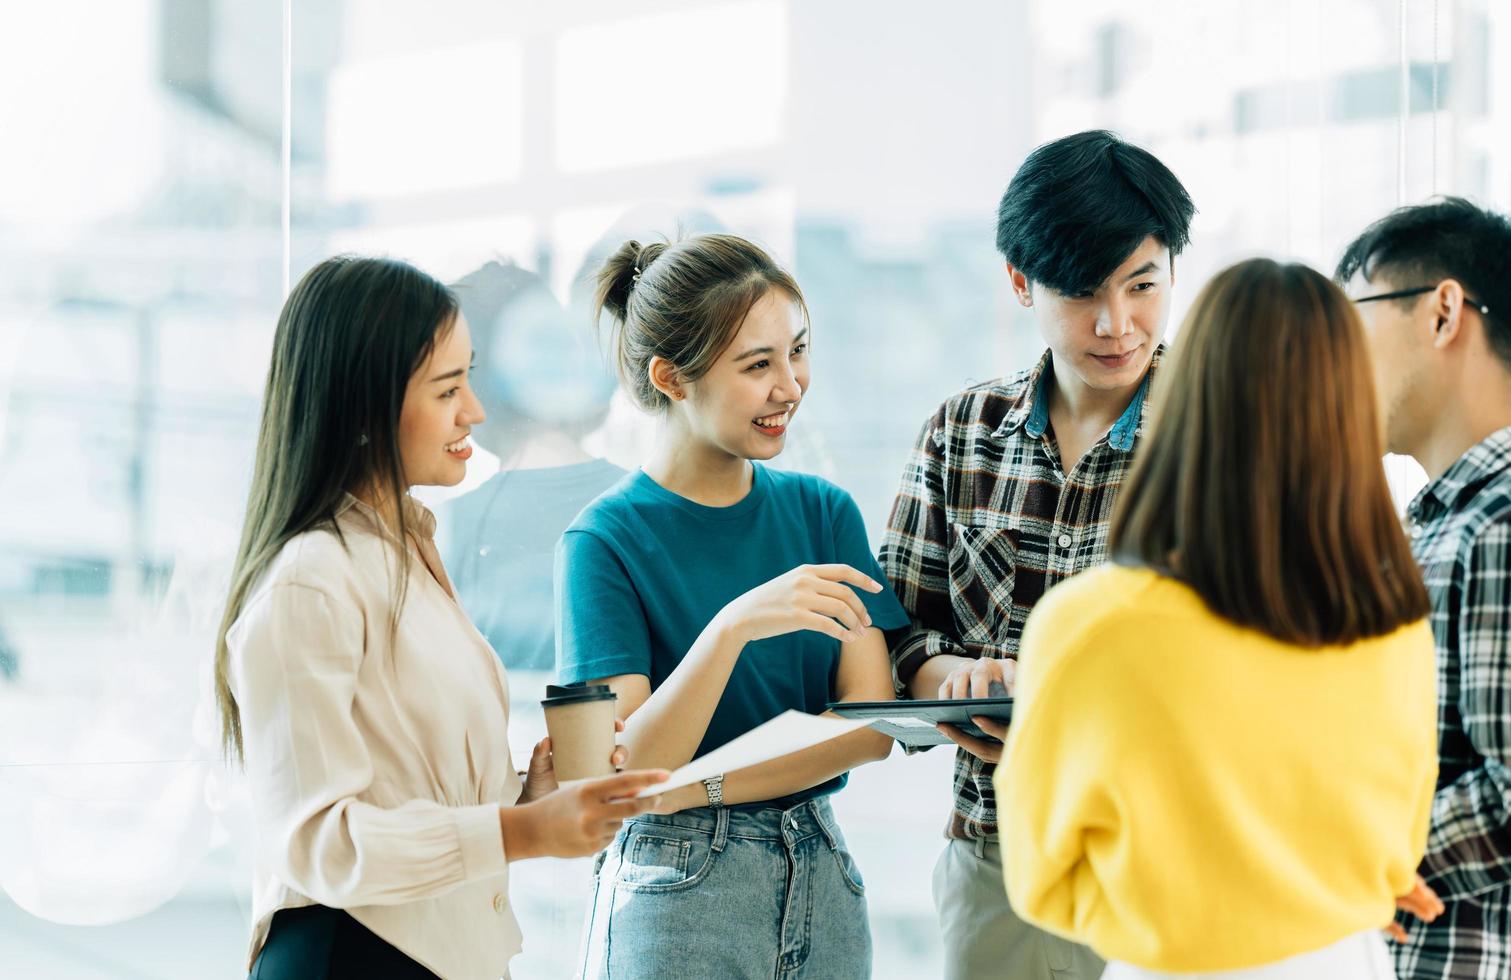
(369,712)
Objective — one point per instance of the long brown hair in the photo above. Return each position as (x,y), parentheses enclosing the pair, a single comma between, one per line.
(1261,485)
(683,302)
(350,335)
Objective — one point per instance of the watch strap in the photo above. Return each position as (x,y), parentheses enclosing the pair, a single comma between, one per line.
(714,786)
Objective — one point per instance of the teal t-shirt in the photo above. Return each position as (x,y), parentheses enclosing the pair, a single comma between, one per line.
(642,571)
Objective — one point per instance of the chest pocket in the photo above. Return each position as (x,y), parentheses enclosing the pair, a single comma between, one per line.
(983,574)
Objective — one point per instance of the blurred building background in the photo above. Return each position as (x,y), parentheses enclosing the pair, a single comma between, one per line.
(143,194)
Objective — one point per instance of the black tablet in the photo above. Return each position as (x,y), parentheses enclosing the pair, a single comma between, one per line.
(912,722)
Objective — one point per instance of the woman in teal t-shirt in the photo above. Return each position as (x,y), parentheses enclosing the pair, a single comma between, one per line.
(712,594)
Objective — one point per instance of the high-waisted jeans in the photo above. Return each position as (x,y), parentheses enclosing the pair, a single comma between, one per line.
(732,894)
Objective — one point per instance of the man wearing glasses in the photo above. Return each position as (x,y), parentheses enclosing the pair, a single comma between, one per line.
(1433,286)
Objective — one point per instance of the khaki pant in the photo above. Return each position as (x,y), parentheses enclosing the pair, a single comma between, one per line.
(983,938)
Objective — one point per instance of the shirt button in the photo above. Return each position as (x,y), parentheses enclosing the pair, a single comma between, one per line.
(500,903)
(1416,530)
(1064,541)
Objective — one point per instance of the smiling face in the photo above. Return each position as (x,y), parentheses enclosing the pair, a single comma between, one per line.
(439,412)
(1106,338)
(746,401)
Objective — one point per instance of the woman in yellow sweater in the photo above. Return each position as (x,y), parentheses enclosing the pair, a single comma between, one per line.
(1224,746)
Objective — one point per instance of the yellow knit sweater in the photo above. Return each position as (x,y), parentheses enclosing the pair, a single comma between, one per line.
(1183,794)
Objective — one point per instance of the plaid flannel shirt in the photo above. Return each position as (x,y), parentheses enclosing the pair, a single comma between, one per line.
(1461,536)
(985,521)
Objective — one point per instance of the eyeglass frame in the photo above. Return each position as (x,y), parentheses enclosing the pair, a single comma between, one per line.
(1469,301)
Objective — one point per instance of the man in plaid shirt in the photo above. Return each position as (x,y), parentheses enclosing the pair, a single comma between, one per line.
(1011,485)
(1433,284)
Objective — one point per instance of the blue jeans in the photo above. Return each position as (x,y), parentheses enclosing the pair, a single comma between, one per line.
(733,894)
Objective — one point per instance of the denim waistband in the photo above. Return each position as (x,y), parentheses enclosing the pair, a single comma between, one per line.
(805,820)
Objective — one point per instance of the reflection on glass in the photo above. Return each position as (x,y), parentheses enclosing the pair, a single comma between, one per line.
(545,389)
(139,234)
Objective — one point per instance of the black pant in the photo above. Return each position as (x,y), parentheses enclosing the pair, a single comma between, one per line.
(319,943)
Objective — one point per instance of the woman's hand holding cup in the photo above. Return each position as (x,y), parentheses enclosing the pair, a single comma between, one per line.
(540,777)
(581,722)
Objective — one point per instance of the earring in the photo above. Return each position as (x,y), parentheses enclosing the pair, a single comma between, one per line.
(362,439)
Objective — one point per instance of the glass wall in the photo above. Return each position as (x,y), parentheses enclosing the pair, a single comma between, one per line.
(152,147)
(140,194)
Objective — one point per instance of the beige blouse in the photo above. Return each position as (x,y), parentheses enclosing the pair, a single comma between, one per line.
(376,763)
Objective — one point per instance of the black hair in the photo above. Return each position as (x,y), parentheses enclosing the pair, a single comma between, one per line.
(351,334)
(1079,206)
(1423,244)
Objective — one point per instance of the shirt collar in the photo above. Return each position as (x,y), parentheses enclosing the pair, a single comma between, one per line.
(1484,459)
(418,519)
(1025,402)
(1031,410)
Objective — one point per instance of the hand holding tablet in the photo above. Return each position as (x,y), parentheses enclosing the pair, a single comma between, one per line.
(916,723)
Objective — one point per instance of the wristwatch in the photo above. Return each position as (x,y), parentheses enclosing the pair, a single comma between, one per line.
(715,787)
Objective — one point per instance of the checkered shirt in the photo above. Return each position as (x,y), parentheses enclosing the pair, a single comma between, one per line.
(1461,536)
(986,520)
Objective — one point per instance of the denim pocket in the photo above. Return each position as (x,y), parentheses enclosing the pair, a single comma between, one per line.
(842,856)
(849,869)
(603,856)
(658,858)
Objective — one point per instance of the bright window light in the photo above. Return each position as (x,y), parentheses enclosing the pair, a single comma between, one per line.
(78,76)
(433,120)
(671,86)
(446,249)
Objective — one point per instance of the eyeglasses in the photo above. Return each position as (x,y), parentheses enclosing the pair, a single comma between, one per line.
(1419,290)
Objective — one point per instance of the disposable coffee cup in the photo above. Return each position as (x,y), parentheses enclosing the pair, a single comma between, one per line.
(580,721)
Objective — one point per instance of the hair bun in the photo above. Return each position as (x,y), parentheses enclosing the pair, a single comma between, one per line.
(648,254)
(682,303)
(617,278)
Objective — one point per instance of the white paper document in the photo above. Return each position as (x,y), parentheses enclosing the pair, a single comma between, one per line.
(789,732)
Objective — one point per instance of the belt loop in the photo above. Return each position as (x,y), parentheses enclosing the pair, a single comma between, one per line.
(721,828)
(979,845)
(819,816)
